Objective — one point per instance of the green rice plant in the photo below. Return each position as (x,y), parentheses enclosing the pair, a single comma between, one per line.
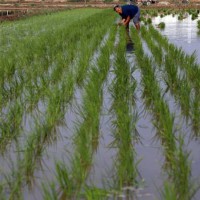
(71,181)
(155,13)
(66,183)
(11,125)
(175,60)
(13,181)
(155,49)
(94,193)
(194,16)
(180,16)
(124,124)
(3,196)
(50,192)
(184,96)
(198,24)
(168,192)
(172,73)
(87,138)
(43,48)
(161,25)
(195,115)
(85,59)
(41,51)
(184,187)
(164,123)
(149,20)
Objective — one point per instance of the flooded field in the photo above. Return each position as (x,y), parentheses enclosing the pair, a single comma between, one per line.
(182,33)
(91,112)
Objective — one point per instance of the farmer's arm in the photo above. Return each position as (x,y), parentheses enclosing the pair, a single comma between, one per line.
(121,22)
(127,20)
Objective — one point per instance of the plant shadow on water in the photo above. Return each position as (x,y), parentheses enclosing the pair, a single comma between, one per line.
(129,43)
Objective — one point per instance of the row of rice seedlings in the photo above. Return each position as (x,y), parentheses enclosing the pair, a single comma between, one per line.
(156,50)
(39,25)
(125,119)
(35,89)
(62,62)
(157,12)
(43,51)
(11,124)
(71,74)
(10,85)
(49,122)
(177,84)
(44,132)
(87,130)
(40,126)
(164,123)
(1,193)
(84,59)
(183,83)
(180,185)
(186,62)
(198,26)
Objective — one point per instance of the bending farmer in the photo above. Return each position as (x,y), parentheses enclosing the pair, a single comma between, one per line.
(128,12)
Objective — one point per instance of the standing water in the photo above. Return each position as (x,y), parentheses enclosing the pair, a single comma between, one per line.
(182,33)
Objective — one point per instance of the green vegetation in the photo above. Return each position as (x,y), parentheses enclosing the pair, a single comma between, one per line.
(71,63)
(161,25)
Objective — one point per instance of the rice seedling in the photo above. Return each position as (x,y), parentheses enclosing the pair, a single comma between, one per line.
(95,193)
(1,193)
(195,114)
(180,17)
(48,88)
(164,123)
(161,25)
(11,125)
(50,192)
(149,20)
(180,68)
(87,130)
(198,24)
(87,133)
(124,126)
(42,62)
(168,192)
(155,49)
(194,16)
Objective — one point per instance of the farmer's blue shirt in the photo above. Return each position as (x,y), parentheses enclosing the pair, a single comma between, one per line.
(129,10)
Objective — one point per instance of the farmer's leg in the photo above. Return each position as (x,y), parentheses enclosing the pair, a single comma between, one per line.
(127,27)
(136,20)
(137,26)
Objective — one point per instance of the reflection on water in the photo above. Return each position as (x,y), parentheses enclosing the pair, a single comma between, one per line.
(182,33)
(129,43)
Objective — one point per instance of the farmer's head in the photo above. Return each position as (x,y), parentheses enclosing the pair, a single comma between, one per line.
(118,9)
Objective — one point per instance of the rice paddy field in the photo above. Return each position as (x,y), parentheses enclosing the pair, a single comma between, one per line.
(90,111)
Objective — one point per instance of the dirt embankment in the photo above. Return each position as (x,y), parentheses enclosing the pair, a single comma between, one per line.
(16,9)
(12,10)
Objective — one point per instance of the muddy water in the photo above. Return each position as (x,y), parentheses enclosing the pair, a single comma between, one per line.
(182,33)
(150,151)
